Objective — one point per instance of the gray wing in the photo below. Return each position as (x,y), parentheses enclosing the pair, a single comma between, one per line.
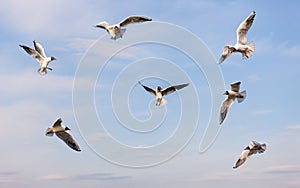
(33,53)
(224,108)
(68,139)
(172,89)
(150,90)
(227,51)
(242,158)
(243,28)
(235,86)
(57,123)
(134,19)
(39,48)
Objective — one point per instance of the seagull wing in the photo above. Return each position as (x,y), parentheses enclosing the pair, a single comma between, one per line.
(224,108)
(134,19)
(39,48)
(68,139)
(33,53)
(172,89)
(243,28)
(227,51)
(150,90)
(242,158)
(235,86)
(57,123)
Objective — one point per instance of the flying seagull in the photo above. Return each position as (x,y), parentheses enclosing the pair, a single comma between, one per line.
(159,93)
(116,31)
(241,45)
(60,132)
(253,148)
(39,54)
(232,94)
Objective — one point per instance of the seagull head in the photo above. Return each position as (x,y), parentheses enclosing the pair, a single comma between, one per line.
(226,93)
(53,58)
(159,88)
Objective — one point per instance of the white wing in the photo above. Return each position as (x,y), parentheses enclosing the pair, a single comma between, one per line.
(227,51)
(68,139)
(134,19)
(33,53)
(243,28)
(242,158)
(39,48)
(224,108)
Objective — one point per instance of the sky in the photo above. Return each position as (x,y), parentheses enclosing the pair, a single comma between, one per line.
(125,140)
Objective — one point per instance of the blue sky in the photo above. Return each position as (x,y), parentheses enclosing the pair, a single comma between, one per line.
(30,103)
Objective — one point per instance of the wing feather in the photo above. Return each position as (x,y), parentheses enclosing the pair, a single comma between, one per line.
(243,28)
(33,53)
(134,19)
(224,108)
(235,86)
(150,90)
(39,48)
(68,139)
(173,88)
(227,51)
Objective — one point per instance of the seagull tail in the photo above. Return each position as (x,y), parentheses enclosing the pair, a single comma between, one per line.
(42,71)
(163,102)
(242,96)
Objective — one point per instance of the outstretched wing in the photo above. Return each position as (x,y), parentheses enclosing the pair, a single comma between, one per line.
(68,139)
(39,48)
(57,123)
(224,108)
(227,51)
(33,53)
(134,19)
(242,158)
(150,90)
(235,86)
(172,89)
(243,28)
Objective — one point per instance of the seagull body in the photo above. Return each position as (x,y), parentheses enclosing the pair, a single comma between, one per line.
(159,92)
(39,54)
(253,148)
(232,94)
(60,131)
(246,49)
(116,31)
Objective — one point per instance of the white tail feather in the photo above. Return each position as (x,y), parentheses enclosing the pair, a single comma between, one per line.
(242,96)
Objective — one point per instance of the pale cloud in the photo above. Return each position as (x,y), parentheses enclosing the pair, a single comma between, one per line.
(283,169)
(289,51)
(263,112)
(54,177)
(100,177)
(254,78)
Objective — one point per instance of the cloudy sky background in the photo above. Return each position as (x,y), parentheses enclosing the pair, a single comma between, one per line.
(30,103)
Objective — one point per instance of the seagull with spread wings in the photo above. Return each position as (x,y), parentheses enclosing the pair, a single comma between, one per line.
(232,94)
(60,131)
(159,92)
(116,31)
(39,54)
(241,45)
(251,149)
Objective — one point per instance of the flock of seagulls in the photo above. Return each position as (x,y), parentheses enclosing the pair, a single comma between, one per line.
(116,32)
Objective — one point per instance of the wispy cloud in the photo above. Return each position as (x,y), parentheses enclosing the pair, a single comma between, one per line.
(54,177)
(263,112)
(100,177)
(290,51)
(283,169)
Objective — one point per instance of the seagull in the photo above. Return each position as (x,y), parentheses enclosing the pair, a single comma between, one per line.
(241,45)
(253,148)
(60,132)
(116,31)
(39,54)
(159,93)
(232,94)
